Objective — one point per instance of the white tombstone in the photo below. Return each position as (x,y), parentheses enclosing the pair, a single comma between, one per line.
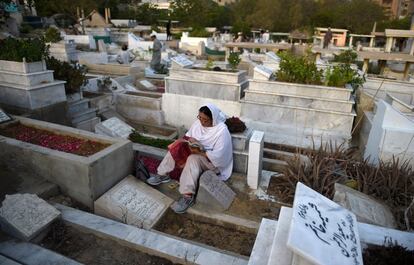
(25,215)
(322,232)
(133,202)
(279,253)
(271,56)
(102,46)
(261,72)
(181,61)
(114,127)
(254,166)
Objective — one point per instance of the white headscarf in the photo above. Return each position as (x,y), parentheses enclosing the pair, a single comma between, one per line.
(216,140)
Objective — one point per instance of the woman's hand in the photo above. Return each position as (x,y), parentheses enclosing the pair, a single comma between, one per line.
(192,140)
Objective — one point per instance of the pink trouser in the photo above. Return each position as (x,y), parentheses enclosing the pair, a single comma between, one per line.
(194,166)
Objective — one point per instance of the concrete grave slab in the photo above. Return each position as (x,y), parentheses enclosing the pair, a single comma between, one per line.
(181,61)
(262,72)
(322,232)
(367,209)
(133,202)
(7,261)
(24,216)
(114,127)
(214,192)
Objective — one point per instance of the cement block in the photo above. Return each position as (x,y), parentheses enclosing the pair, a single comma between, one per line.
(82,178)
(133,202)
(214,192)
(240,141)
(142,100)
(141,115)
(367,209)
(22,67)
(25,216)
(30,79)
(208,76)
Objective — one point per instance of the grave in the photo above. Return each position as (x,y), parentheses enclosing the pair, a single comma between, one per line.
(64,51)
(133,202)
(181,61)
(114,127)
(214,192)
(262,72)
(25,215)
(367,209)
(322,232)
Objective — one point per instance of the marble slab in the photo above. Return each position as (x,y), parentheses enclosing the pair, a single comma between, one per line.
(114,127)
(280,254)
(261,72)
(214,192)
(133,202)
(271,56)
(25,215)
(322,232)
(182,61)
(147,85)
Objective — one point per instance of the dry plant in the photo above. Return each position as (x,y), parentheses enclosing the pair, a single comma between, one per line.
(391,182)
(324,168)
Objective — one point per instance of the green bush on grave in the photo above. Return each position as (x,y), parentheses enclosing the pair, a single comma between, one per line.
(136,137)
(52,35)
(298,69)
(33,50)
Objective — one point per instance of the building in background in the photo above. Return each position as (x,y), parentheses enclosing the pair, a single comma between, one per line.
(397,8)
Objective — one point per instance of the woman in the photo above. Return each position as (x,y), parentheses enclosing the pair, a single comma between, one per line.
(215,153)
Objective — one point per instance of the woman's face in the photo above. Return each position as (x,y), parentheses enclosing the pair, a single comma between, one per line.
(204,120)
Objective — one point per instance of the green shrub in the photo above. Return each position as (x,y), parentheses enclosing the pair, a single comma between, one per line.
(25,28)
(348,57)
(340,75)
(299,70)
(136,137)
(234,60)
(52,35)
(75,76)
(33,50)
(199,32)
(209,64)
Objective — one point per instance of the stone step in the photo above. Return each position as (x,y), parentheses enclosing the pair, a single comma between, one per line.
(27,253)
(151,242)
(299,101)
(84,115)
(279,253)
(88,125)
(281,115)
(262,246)
(78,106)
(274,164)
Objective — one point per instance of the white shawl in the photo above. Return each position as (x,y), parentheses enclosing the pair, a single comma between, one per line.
(216,140)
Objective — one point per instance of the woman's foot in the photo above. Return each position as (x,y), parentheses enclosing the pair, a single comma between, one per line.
(155,179)
(185,202)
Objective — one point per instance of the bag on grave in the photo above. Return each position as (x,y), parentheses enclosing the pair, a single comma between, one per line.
(141,171)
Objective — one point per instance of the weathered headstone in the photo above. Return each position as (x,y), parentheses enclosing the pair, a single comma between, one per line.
(181,61)
(214,192)
(367,209)
(25,215)
(261,72)
(114,127)
(102,46)
(322,232)
(133,202)
(4,117)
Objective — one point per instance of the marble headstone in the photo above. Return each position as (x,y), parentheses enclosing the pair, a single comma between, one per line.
(322,232)
(133,202)
(271,56)
(181,61)
(261,72)
(214,192)
(25,215)
(367,209)
(4,117)
(147,85)
(114,127)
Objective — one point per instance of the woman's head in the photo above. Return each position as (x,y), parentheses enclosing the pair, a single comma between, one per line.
(205,116)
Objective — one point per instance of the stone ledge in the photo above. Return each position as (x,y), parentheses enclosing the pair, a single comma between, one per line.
(153,243)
